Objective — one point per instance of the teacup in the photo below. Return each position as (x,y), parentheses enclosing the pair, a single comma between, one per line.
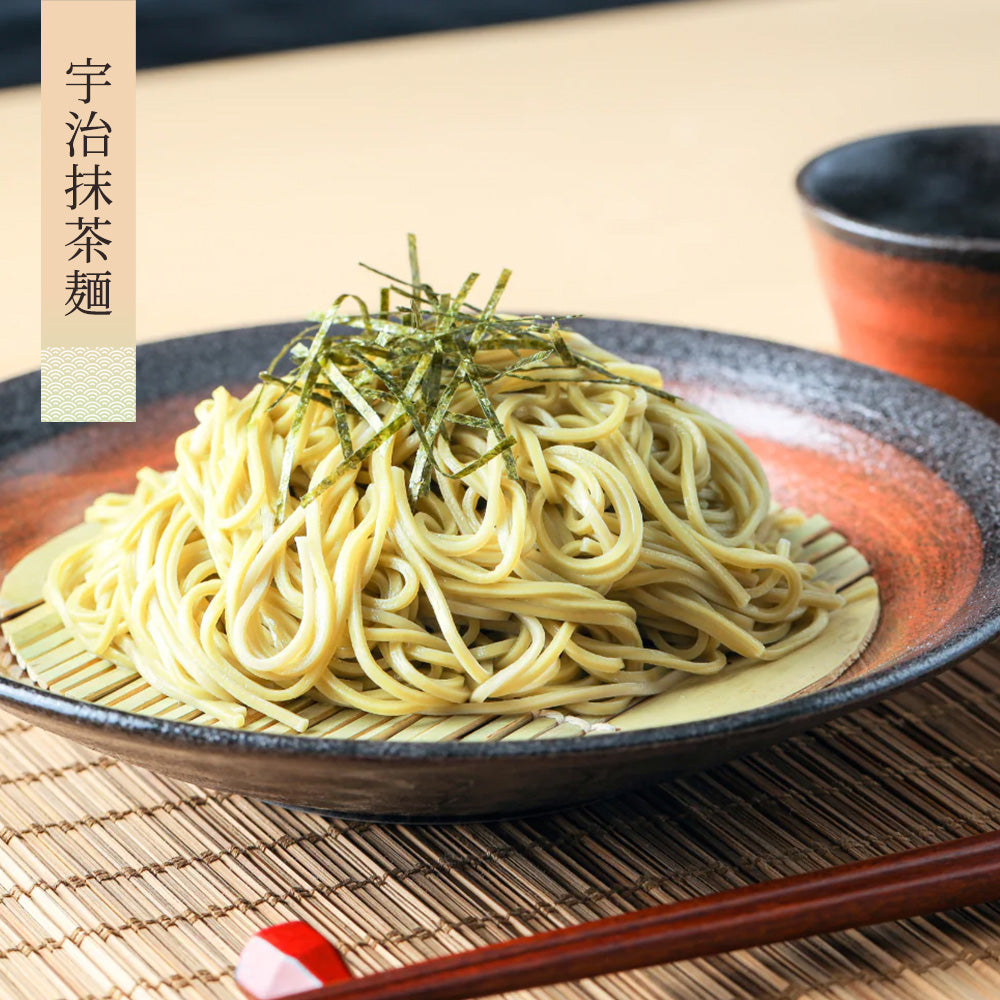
(906,227)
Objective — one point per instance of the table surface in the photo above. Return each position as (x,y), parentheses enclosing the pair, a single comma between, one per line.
(636,163)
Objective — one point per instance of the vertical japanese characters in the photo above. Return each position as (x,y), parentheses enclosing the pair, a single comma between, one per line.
(89,283)
(88,211)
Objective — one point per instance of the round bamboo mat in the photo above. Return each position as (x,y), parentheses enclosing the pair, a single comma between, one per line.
(54,658)
(115,883)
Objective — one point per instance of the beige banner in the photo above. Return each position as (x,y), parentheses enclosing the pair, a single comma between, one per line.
(88,210)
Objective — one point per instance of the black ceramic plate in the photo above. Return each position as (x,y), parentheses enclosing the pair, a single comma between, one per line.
(910,476)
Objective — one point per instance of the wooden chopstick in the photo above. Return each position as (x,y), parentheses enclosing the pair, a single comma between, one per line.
(960,872)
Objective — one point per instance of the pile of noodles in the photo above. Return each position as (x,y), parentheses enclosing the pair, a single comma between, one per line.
(637,542)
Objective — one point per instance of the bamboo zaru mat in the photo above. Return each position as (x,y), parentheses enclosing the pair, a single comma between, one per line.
(117,883)
(55,659)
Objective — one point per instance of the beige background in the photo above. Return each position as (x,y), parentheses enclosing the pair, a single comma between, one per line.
(631,163)
(72,32)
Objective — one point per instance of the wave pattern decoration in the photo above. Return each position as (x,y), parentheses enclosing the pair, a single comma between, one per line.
(88,384)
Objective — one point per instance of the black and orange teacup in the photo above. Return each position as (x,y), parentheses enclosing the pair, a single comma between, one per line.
(907,231)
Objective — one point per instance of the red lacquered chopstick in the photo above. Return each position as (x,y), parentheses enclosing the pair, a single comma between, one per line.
(958,873)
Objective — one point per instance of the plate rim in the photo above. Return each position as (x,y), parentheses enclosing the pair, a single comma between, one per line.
(802,711)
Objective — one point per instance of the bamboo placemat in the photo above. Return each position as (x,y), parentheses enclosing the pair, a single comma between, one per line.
(116,883)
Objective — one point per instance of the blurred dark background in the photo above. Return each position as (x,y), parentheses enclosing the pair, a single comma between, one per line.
(180,31)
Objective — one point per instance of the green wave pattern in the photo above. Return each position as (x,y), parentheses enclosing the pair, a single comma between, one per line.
(88,384)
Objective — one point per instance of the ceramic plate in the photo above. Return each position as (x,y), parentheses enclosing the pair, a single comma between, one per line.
(908,475)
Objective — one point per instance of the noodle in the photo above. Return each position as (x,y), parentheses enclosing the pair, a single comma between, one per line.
(638,543)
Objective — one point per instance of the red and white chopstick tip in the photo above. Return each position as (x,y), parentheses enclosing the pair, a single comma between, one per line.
(286,959)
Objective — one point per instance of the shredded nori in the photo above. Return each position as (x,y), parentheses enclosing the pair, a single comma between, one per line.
(417,356)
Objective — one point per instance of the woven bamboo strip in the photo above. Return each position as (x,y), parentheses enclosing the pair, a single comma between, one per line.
(120,883)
